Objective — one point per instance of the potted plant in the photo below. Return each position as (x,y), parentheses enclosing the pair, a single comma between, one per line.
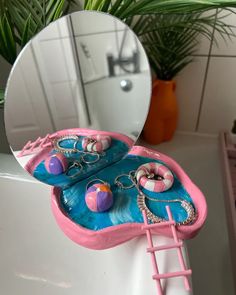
(169,31)
(170,45)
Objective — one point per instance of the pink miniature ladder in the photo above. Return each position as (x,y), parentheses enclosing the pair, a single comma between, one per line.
(176,245)
(37,145)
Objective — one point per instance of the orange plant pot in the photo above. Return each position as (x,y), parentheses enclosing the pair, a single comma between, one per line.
(162,118)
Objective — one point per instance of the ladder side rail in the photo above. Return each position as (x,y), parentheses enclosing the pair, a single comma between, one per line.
(179,251)
(153,256)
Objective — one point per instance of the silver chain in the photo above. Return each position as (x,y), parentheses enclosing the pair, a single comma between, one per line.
(191,215)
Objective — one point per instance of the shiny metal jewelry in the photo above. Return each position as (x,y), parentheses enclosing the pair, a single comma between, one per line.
(76,149)
(60,149)
(86,154)
(187,206)
(74,165)
(120,184)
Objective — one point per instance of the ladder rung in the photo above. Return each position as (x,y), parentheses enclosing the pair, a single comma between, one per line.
(172,274)
(160,224)
(165,247)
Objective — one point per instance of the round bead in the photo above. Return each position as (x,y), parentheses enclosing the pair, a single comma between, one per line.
(99,197)
(56,164)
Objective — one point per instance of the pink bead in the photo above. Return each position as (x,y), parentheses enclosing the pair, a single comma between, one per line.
(56,164)
(99,197)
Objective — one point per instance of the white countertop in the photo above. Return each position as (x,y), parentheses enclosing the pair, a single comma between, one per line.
(208,251)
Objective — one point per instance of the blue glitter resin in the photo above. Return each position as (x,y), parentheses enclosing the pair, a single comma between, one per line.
(124,209)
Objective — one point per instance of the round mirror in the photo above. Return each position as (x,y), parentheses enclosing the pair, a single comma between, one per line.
(87,70)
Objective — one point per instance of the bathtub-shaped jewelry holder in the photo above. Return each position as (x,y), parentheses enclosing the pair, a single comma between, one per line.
(124,220)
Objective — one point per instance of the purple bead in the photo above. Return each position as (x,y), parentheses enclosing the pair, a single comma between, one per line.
(56,164)
(104,201)
(99,197)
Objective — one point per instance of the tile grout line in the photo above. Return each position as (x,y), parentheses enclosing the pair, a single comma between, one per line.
(205,78)
(83,35)
(214,55)
(78,69)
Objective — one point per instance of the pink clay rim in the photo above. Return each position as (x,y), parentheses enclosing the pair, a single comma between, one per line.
(33,162)
(117,234)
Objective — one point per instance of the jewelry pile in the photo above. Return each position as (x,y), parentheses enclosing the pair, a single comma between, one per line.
(154,177)
(93,148)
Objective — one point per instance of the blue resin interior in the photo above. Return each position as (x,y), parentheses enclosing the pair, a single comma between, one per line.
(124,209)
(112,164)
(114,153)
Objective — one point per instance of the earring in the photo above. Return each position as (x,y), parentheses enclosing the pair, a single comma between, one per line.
(56,164)
(98,196)
(85,158)
(120,184)
(76,165)
(154,177)
(96,143)
(57,144)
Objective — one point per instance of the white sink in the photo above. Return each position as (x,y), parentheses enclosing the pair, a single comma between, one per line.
(36,258)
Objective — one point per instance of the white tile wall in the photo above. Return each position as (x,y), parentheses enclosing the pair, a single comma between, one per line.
(91,23)
(188,91)
(57,29)
(224,48)
(119,24)
(207,90)
(57,67)
(5,68)
(94,66)
(204,46)
(219,104)
(205,42)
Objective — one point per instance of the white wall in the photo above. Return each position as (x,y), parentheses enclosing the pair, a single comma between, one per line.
(5,68)
(206,89)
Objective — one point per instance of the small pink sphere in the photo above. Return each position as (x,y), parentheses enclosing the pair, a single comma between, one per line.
(56,164)
(99,197)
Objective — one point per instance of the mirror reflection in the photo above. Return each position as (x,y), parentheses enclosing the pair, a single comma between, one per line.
(75,75)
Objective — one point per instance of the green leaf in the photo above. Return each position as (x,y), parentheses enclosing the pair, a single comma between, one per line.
(55,12)
(2,94)
(7,42)
(106,5)
(26,32)
(115,6)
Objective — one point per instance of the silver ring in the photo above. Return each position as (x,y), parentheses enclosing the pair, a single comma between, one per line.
(76,164)
(75,148)
(95,180)
(60,149)
(120,184)
(90,162)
